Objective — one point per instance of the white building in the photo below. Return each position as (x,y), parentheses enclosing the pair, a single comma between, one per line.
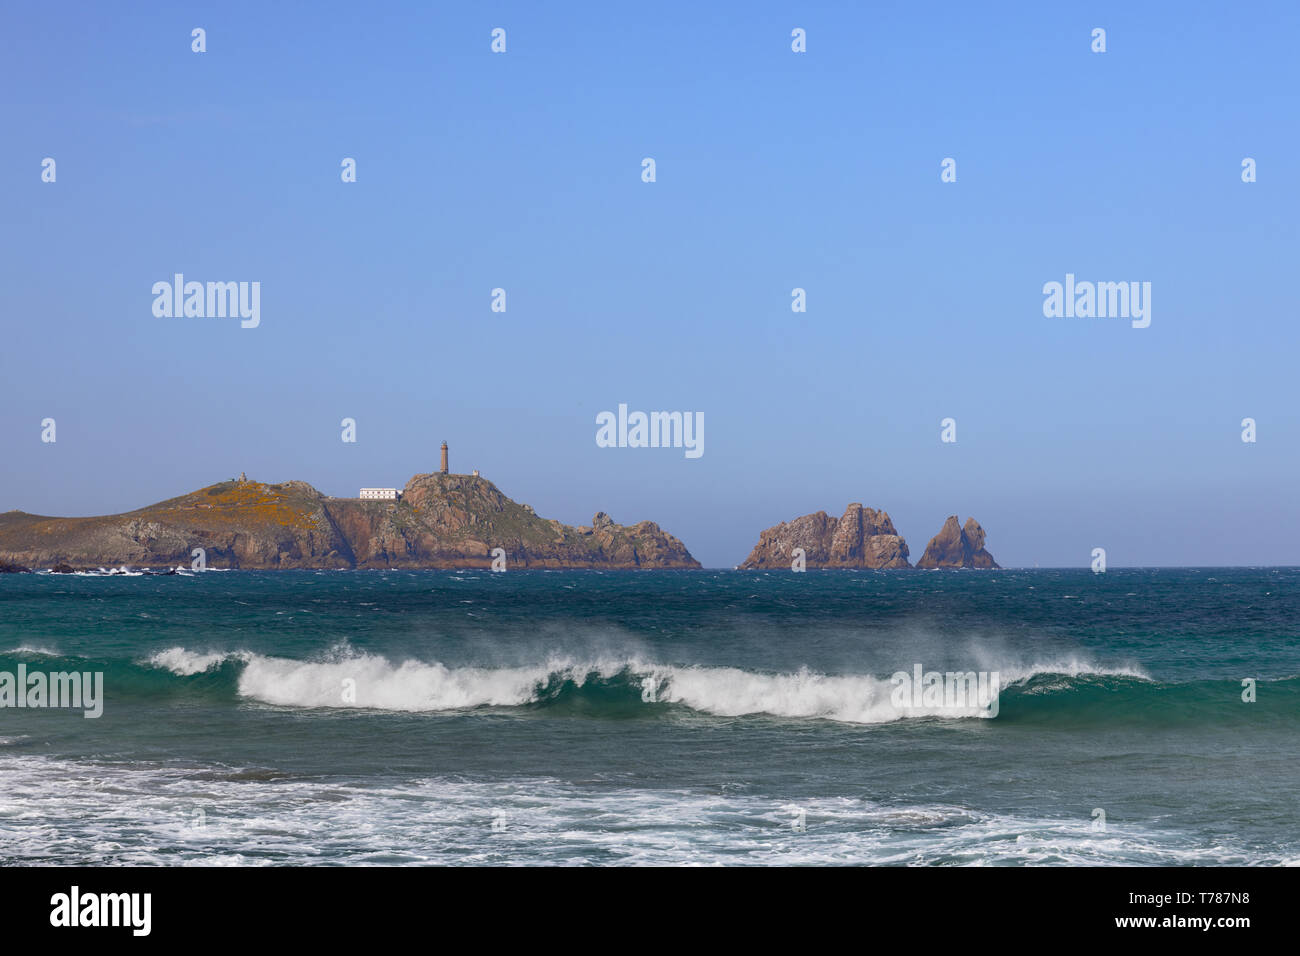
(384,494)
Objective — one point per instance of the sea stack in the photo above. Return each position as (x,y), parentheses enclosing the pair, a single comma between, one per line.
(957,546)
(861,538)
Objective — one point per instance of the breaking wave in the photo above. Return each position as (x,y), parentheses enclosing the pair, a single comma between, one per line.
(1065,690)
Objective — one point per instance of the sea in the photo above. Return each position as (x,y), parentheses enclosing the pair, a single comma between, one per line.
(1141,717)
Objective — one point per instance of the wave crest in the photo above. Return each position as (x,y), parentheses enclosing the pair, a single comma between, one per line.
(1056,691)
(366,681)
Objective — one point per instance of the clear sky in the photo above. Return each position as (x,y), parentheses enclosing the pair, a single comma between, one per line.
(774,170)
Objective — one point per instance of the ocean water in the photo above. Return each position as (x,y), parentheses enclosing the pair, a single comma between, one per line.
(410,717)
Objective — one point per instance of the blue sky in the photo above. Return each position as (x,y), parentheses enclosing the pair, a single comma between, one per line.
(775,170)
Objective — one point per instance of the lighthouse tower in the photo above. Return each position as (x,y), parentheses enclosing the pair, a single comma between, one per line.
(444,458)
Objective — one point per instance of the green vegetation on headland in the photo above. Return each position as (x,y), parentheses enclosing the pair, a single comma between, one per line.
(440,521)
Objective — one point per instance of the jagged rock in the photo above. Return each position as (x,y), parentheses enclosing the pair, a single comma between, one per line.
(862,538)
(8,568)
(441,521)
(956,546)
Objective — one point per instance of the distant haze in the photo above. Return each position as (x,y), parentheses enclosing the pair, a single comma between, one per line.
(774,171)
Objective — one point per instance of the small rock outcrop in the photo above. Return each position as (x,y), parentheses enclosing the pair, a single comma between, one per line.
(957,546)
(861,538)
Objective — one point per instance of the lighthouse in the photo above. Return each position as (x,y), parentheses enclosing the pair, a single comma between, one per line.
(444,458)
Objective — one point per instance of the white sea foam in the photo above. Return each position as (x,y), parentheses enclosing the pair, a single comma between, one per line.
(730,692)
(1013,673)
(379,684)
(61,811)
(344,679)
(417,686)
(186,663)
(29,651)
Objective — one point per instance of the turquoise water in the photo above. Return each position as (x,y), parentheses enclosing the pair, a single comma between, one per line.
(655,717)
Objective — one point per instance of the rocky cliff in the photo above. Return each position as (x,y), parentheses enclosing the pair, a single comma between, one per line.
(862,538)
(957,546)
(441,521)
